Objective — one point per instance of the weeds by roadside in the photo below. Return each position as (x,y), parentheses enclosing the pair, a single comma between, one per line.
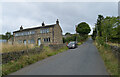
(111,62)
(113,44)
(5,47)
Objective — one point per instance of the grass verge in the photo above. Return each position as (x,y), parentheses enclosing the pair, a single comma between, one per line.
(25,60)
(113,44)
(6,47)
(110,61)
(79,43)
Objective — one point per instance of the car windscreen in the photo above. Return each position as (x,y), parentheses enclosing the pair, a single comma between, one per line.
(71,43)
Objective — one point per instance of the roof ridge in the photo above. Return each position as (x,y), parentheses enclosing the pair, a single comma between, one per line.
(35,28)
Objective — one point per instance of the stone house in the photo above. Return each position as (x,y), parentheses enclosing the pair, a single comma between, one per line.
(45,34)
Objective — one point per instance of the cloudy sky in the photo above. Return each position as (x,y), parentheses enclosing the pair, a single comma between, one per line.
(32,14)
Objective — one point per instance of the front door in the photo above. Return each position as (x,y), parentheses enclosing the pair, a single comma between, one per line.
(39,42)
(24,42)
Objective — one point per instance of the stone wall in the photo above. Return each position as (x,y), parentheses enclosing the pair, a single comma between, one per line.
(6,57)
(116,51)
(56,46)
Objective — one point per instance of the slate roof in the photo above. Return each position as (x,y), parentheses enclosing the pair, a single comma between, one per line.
(46,26)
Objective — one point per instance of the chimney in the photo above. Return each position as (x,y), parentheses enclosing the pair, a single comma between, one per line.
(21,28)
(43,24)
(57,22)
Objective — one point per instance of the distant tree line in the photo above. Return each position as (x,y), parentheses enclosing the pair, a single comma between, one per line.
(7,36)
(107,29)
(73,38)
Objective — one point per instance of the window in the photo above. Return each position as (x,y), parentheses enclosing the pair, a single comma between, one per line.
(28,41)
(24,33)
(49,39)
(40,31)
(19,41)
(32,32)
(46,39)
(16,34)
(44,31)
(31,41)
(47,30)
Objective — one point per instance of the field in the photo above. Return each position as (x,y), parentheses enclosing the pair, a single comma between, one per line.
(5,47)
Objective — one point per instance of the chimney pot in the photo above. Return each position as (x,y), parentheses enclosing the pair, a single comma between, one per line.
(21,28)
(43,24)
(57,22)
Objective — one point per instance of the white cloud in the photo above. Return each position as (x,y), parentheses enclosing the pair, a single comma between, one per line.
(59,0)
(69,14)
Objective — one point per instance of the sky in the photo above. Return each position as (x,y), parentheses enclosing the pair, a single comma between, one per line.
(32,14)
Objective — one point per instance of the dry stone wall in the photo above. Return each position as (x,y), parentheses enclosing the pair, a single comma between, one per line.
(6,57)
(116,51)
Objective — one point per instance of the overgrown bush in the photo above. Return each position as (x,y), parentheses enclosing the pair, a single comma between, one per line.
(100,40)
(111,62)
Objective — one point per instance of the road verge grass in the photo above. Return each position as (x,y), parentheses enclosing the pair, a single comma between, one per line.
(25,60)
(6,47)
(110,61)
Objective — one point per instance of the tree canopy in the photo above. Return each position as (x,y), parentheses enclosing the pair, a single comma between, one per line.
(67,33)
(83,28)
(108,29)
(99,22)
(7,36)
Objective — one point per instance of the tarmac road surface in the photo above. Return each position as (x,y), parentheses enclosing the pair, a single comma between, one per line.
(84,60)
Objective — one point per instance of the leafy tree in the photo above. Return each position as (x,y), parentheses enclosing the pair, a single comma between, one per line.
(118,27)
(73,38)
(99,21)
(67,33)
(8,35)
(83,28)
(118,31)
(108,28)
(94,33)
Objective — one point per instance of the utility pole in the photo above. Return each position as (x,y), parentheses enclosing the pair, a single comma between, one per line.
(76,32)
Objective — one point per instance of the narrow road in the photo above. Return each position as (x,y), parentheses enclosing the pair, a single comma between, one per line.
(84,60)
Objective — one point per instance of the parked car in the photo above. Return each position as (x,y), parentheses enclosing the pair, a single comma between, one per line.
(72,45)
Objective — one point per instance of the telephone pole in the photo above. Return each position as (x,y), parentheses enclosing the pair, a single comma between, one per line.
(76,32)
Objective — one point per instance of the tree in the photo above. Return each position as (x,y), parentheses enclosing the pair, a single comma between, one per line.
(8,35)
(83,28)
(108,28)
(94,33)
(99,21)
(67,33)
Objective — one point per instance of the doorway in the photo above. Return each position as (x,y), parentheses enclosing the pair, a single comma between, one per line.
(24,42)
(39,41)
